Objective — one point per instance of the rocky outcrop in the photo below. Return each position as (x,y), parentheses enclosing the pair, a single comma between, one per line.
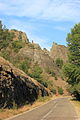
(36,54)
(17,88)
(59,51)
(19,35)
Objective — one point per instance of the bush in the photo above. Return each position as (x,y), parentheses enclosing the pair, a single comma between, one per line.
(5,54)
(51,72)
(43,82)
(36,71)
(59,62)
(25,65)
(5,36)
(17,45)
(72,72)
(60,90)
(53,90)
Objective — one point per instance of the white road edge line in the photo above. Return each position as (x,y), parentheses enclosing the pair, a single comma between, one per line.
(49,112)
(30,110)
(46,115)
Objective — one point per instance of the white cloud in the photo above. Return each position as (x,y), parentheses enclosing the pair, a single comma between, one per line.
(59,10)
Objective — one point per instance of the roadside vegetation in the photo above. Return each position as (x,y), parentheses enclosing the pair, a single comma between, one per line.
(60,91)
(6,113)
(72,68)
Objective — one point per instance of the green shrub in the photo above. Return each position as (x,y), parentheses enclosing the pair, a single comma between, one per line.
(53,90)
(51,72)
(59,62)
(56,78)
(17,45)
(43,82)
(5,36)
(60,90)
(36,72)
(25,65)
(5,54)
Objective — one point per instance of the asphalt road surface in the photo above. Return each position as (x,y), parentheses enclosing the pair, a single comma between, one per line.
(58,109)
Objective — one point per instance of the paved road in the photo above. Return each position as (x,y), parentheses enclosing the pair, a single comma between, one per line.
(59,109)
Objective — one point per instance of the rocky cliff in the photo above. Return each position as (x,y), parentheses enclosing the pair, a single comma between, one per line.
(25,55)
(19,35)
(59,51)
(17,88)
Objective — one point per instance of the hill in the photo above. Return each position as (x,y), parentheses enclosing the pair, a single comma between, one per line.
(16,87)
(59,51)
(37,63)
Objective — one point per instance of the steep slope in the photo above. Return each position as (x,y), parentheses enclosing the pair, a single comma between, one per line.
(17,88)
(36,54)
(59,51)
(21,49)
(24,55)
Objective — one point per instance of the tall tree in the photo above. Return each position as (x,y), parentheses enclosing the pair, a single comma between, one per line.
(5,36)
(72,69)
(73,40)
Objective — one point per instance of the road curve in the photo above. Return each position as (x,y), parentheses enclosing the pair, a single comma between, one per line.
(58,109)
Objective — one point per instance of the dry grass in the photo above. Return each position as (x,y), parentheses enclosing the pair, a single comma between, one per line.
(76,104)
(6,113)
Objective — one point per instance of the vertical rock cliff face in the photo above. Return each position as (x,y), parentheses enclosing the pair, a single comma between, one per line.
(36,54)
(59,51)
(16,88)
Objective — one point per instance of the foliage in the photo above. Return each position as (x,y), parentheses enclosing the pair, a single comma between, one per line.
(17,45)
(60,90)
(49,71)
(72,69)
(31,45)
(75,90)
(5,54)
(43,99)
(43,82)
(5,36)
(73,40)
(72,73)
(53,90)
(59,62)
(24,66)
(36,71)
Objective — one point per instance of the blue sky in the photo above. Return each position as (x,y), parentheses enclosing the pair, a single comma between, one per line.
(44,21)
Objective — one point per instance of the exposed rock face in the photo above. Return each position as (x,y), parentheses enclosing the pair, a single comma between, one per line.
(46,51)
(19,35)
(16,87)
(59,51)
(36,54)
